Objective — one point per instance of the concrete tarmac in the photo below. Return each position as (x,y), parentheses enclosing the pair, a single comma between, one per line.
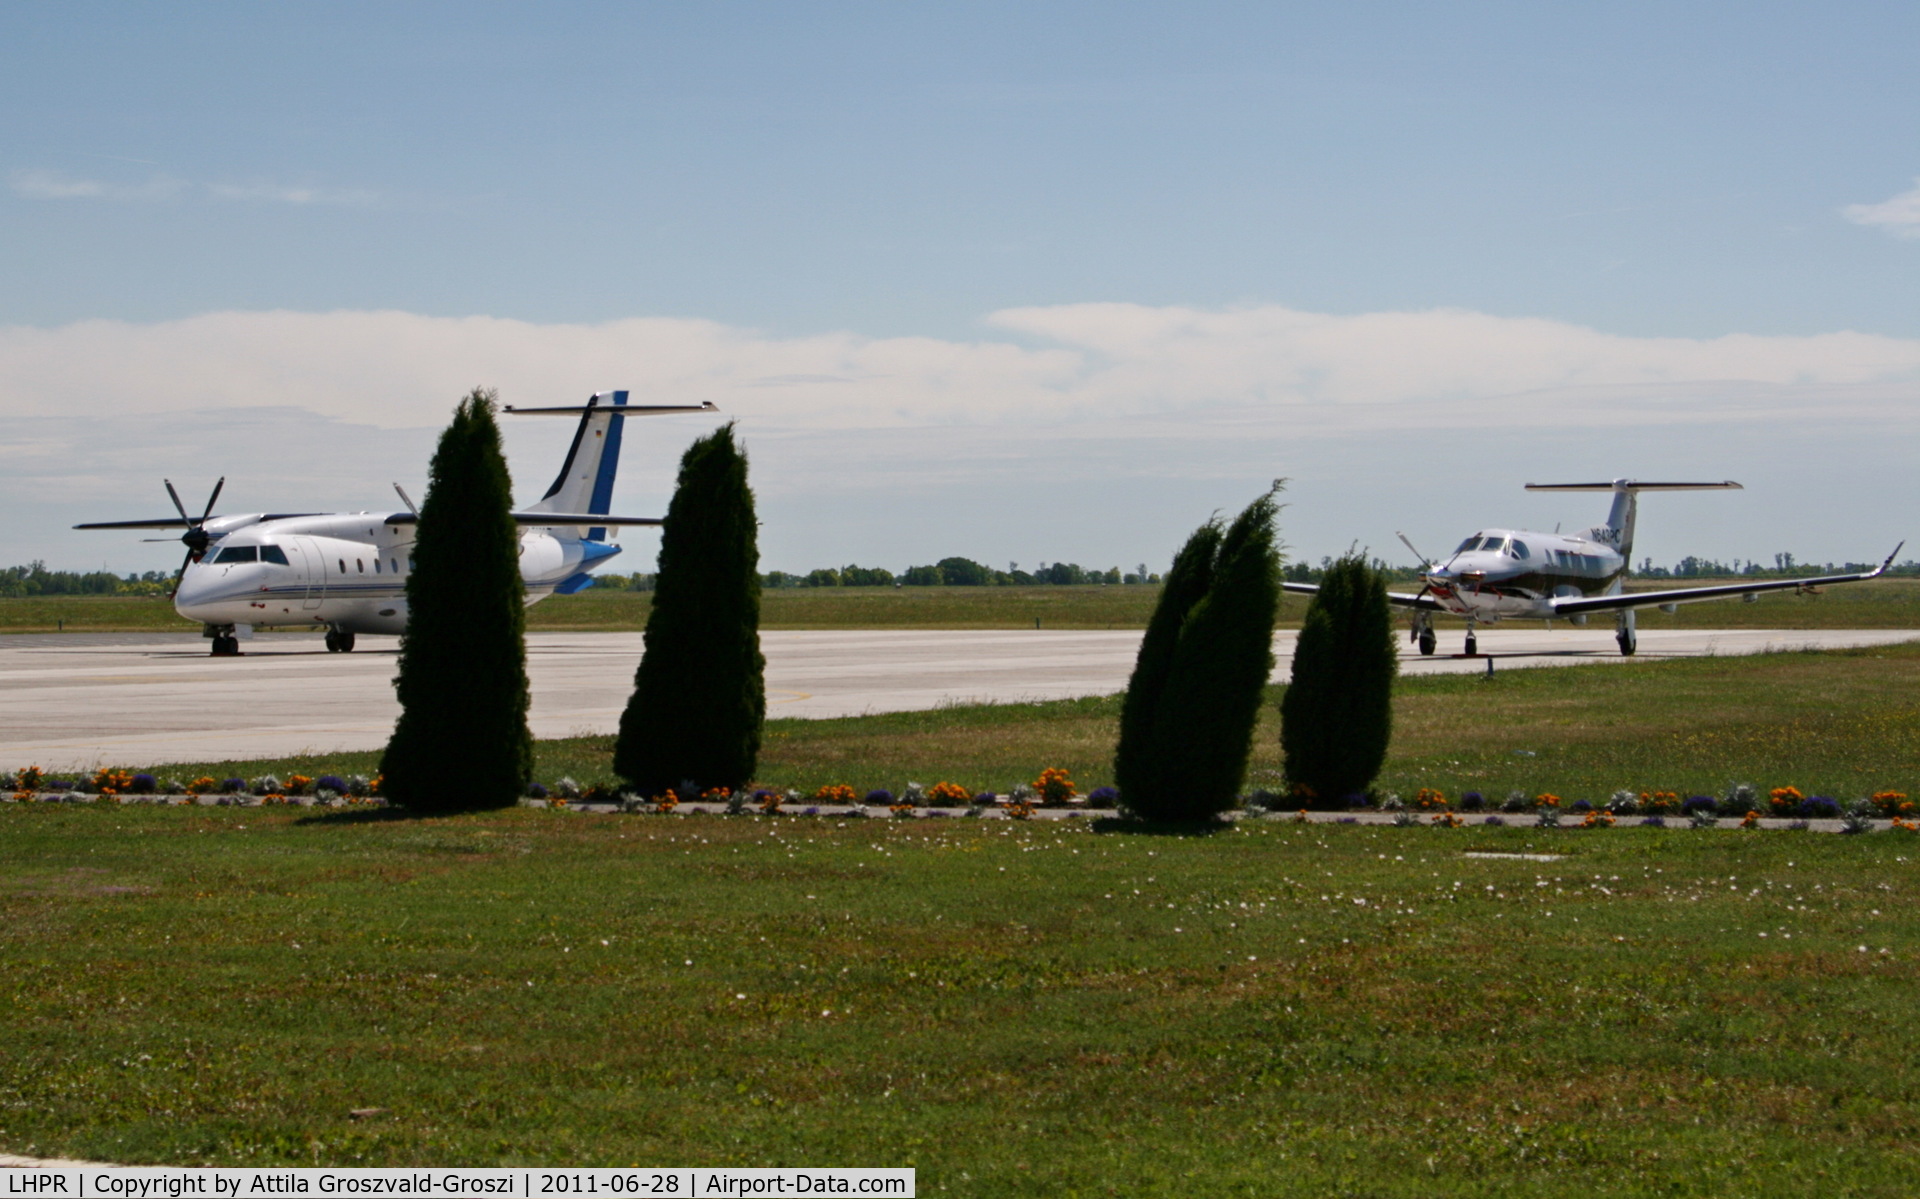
(75,700)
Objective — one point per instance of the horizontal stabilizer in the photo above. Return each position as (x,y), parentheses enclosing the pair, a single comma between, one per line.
(1630,485)
(548,519)
(622,410)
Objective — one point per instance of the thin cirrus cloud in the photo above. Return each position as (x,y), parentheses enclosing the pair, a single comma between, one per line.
(41,183)
(1899,216)
(1103,370)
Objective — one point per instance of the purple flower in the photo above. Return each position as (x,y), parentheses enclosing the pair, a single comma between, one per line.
(534,790)
(811,812)
(235,786)
(143,784)
(1472,801)
(1103,797)
(1698,803)
(338,785)
(878,797)
(1348,820)
(1580,805)
(1654,822)
(56,785)
(1493,820)
(1818,807)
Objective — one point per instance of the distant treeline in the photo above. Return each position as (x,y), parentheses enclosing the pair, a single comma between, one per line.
(33,579)
(21,582)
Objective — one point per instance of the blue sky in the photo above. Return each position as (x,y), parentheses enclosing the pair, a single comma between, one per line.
(973,277)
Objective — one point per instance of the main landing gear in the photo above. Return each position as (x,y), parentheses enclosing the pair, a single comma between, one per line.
(339,642)
(1423,634)
(1624,632)
(225,643)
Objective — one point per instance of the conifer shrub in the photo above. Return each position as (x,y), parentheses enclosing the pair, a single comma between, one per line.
(699,695)
(1337,715)
(461,742)
(1187,721)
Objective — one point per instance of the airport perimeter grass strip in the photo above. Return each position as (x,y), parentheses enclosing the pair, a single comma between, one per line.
(1009,1007)
(1839,723)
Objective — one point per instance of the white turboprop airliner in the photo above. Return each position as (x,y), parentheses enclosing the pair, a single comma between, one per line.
(1522,575)
(347,571)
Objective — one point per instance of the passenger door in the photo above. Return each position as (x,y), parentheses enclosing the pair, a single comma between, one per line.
(316,568)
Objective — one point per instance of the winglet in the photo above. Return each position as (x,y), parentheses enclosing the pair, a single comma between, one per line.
(1890,558)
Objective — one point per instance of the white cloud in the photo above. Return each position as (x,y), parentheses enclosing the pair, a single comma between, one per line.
(40,183)
(1068,429)
(1899,216)
(43,184)
(284,194)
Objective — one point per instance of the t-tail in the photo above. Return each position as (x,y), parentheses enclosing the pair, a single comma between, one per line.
(585,482)
(1618,531)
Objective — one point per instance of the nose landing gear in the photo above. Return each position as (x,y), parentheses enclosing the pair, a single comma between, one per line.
(1624,632)
(339,642)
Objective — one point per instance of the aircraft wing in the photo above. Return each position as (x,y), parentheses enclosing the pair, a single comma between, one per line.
(1398,599)
(1573,605)
(549,519)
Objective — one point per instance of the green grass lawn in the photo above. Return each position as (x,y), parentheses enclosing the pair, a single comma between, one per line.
(1011,1008)
(1882,604)
(1838,723)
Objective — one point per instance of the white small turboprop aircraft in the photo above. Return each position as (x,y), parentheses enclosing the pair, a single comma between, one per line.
(347,571)
(1522,575)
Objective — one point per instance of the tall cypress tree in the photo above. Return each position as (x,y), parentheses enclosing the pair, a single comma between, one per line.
(461,741)
(1188,720)
(1139,763)
(1337,715)
(699,695)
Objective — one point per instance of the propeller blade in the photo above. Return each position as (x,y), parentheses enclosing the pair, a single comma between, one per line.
(182,508)
(1426,563)
(181,573)
(212,499)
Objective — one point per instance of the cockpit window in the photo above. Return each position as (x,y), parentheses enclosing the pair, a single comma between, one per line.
(237,553)
(1493,545)
(1468,544)
(1520,549)
(274,554)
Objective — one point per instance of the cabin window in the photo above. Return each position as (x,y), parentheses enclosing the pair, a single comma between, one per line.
(376,566)
(237,553)
(362,564)
(1520,549)
(395,563)
(274,554)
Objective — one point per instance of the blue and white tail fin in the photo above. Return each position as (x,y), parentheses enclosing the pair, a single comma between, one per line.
(585,482)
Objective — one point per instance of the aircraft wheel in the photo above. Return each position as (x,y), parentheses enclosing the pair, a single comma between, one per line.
(346,643)
(1428,643)
(333,642)
(1628,642)
(226,647)
(1473,645)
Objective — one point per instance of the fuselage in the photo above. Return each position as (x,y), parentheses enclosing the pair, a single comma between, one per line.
(344,571)
(1516,572)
